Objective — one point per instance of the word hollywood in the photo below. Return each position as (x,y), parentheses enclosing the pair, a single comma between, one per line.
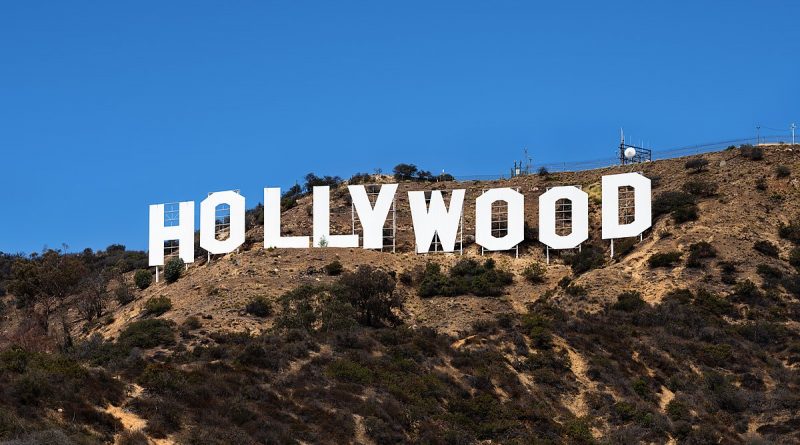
(428,220)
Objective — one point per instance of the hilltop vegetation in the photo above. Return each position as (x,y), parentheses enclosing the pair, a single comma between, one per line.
(689,335)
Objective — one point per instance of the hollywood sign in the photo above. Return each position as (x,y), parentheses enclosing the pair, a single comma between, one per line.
(430,217)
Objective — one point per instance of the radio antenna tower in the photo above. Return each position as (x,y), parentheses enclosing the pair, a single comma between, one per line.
(632,154)
(529,161)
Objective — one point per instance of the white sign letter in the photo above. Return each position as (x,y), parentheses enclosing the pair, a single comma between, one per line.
(272,224)
(516,219)
(579,217)
(183,232)
(642,215)
(208,222)
(322,222)
(372,219)
(436,220)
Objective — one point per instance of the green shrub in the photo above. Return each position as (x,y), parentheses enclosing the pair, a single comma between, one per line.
(575,290)
(173,269)
(259,307)
(782,171)
(767,248)
(157,305)
(752,152)
(123,294)
(624,246)
(701,188)
(132,438)
(641,388)
(698,252)
(664,259)
(349,371)
(467,276)
(579,430)
(712,303)
(727,272)
(696,164)
(404,172)
(772,276)
(538,329)
(767,271)
(790,232)
(680,205)
(629,302)
(148,334)
(433,280)
(312,180)
(682,296)
(535,272)
(334,268)
(143,278)
(288,200)
(747,292)
(586,259)
(794,257)
(192,323)
(685,214)
(406,277)
(677,410)
(371,293)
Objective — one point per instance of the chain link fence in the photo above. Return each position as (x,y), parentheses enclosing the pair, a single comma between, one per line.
(669,153)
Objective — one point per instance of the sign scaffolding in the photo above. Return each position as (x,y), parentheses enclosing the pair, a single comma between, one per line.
(172,218)
(436,244)
(389,226)
(500,222)
(563,220)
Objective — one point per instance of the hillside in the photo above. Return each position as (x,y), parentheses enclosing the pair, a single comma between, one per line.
(700,344)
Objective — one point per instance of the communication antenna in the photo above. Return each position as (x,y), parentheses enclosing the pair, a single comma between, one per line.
(528,162)
(793,127)
(758,134)
(632,154)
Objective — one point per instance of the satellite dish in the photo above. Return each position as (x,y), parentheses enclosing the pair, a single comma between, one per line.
(630,152)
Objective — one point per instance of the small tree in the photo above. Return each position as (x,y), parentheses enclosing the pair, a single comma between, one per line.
(173,269)
(93,296)
(664,259)
(334,268)
(404,172)
(535,272)
(752,152)
(143,279)
(698,252)
(794,257)
(123,293)
(697,164)
(259,306)
(767,248)
(158,305)
(370,292)
(701,188)
(43,282)
(313,180)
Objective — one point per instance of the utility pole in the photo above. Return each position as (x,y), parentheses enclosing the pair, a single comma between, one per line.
(758,134)
(793,127)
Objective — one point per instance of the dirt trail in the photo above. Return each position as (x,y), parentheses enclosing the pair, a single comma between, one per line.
(577,405)
(131,421)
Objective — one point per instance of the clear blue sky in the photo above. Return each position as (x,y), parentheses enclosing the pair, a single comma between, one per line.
(107,107)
